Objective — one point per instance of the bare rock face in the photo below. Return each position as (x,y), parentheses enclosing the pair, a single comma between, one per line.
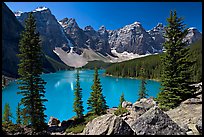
(126,104)
(108,124)
(187,114)
(199,125)
(156,122)
(144,103)
(51,33)
(11,30)
(132,38)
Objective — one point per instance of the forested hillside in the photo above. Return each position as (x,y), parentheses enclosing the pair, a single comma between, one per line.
(152,65)
(98,64)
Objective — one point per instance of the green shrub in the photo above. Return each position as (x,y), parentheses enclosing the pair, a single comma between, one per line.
(120,111)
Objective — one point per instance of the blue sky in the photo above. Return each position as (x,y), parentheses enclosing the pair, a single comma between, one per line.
(115,15)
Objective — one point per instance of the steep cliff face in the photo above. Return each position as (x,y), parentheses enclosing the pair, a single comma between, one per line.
(87,38)
(10,48)
(128,42)
(11,30)
(51,33)
(193,35)
(157,34)
(132,38)
(98,40)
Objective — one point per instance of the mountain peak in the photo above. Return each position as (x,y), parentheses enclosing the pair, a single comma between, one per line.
(137,23)
(102,27)
(88,28)
(159,25)
(41,8)
(17,13)
(68,22)
(192,28)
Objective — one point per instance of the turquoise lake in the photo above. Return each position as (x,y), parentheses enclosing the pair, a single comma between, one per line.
(60,92)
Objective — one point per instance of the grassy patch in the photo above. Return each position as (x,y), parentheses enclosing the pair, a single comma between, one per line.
(81,123)
(76,129)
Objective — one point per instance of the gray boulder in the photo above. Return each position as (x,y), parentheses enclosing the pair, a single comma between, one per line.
(199,125)
(53,122)
(156,122)
(126,104)
(144,103)
(107,124)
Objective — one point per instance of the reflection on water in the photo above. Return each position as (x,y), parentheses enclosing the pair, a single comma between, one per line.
(60,95)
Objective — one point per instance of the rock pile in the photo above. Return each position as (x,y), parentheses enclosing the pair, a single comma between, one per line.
(108,124)
(156,122)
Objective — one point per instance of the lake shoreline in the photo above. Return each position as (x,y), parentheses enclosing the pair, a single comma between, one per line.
(157,80)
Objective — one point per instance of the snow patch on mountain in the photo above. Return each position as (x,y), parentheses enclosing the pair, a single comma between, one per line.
(40,9)
(68,41)
(125,56)
(17,13)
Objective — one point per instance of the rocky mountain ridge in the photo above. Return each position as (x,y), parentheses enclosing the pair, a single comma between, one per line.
(11,29)
(129,42)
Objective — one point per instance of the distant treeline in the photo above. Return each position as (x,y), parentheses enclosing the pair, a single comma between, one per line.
(152,65)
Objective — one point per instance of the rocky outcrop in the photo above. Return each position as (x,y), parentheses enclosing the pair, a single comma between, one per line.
(144,103)
(53,122)
(199,125)
(126,104)
(156,122)
(187,114)
(136,109)
(108,124)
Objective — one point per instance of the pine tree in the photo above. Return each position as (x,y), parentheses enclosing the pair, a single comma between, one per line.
(7,114)
(78,103)
(176,65)
(122,98)
(25,117)
(142,91)
(30,69)
(18,114)
(96,102)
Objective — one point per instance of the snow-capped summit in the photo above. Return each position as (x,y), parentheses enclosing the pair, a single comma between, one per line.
(193,35)
(102,27)
(137,23)
(17,13)
(192,28)
(41,8)
(71,22)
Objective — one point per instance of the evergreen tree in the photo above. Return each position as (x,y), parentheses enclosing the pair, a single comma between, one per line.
(25,117)
(78,103)
(142,91)
(7,114)
(18,114)
(122,98)
(30,69)
(96,102)
(176,65)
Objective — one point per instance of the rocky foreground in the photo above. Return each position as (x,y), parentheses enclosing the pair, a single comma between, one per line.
(144,117)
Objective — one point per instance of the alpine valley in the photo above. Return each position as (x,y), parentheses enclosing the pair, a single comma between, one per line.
(66,46)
